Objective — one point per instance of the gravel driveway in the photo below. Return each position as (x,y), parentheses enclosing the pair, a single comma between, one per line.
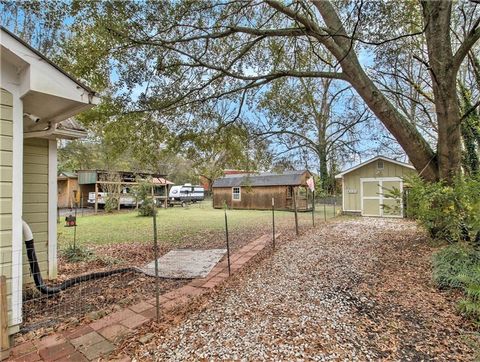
(353,289)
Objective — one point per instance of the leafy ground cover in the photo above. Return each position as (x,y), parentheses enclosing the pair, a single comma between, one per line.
(457,266)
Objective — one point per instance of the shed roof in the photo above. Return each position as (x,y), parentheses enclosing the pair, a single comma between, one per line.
(407,165)
(67,174)
(287,178)
(161,181)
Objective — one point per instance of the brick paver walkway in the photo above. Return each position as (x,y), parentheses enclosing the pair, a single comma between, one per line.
(98,339)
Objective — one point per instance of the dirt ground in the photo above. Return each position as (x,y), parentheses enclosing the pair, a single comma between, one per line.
(352,289)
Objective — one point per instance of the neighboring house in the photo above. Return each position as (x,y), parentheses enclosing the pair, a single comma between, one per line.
(367,188)
(36,95)
(68,191)
(256,190)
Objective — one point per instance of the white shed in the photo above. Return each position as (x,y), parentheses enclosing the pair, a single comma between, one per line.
(366,186)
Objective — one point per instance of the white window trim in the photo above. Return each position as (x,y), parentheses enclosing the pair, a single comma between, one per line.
(383,165)
(380,197)
(291,195)
(239,193)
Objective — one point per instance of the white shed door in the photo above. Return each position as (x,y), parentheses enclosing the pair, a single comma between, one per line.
(377,198)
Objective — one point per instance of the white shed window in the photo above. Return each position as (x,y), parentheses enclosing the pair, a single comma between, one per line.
(289,192)
(236,193)
(380,165)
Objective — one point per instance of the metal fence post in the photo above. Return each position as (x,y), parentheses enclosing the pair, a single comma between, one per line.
(228,244)
(295,208)
(155,250)
(313,208)
(273,222)
(324,210)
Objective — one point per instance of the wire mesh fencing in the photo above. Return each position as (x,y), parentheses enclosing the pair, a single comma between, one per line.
(95,273)
(111,236)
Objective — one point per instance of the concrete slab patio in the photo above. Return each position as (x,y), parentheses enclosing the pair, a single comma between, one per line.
(185,263)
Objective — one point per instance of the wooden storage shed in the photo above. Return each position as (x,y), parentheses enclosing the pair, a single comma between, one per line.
(68,192)
(255,191)
(366,187)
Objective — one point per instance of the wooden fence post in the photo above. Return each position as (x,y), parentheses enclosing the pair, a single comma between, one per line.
(119,196)
(4,337)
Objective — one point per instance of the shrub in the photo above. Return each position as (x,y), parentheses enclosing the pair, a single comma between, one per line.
(450,212)
(76,253)
(144,197)
(458,266)
(111,203)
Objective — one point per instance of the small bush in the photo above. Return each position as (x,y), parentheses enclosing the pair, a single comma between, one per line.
(111,204)
(449,212)
(75,254)
(144,197)
(458,266)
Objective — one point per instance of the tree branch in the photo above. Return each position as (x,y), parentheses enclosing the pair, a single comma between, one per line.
(468,42)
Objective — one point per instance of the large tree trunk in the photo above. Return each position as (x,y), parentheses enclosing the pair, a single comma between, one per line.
(324,174)
(443,72)
(446,162)
(415,146)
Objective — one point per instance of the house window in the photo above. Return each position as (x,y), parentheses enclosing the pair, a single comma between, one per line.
(380,165)
(289,192)
(236,193)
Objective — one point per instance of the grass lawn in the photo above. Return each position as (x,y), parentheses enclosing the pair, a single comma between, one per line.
(174,224)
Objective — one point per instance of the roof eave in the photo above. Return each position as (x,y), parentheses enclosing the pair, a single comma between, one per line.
(340,175)
(78,82)
(57,134)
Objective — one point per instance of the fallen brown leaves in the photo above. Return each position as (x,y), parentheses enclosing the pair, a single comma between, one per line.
(355,289)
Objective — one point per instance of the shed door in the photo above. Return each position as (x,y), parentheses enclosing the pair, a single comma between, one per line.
(371,198)
(379,197)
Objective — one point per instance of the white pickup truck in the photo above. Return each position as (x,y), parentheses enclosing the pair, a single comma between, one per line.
(126,199)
